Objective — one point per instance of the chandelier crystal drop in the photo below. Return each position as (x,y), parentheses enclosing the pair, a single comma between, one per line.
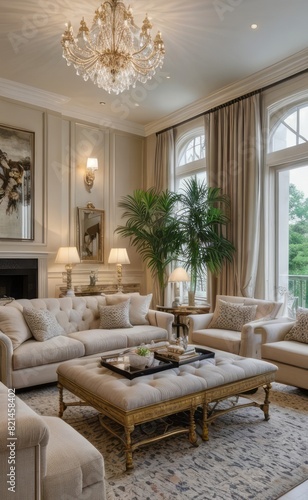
(114,53)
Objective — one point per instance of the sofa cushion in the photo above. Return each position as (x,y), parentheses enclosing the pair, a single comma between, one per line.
(97,340)
(116,316)
(224,340)
(299,330)
(33,353)
(13,324)
(230,316)
(42,324)
(144,334)
(288,352)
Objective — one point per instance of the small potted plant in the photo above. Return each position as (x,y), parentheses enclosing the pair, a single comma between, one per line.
(141,358)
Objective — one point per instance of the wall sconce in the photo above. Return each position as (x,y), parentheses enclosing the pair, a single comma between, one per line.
(178,276)
(68,256)
(119,257)
(92,166)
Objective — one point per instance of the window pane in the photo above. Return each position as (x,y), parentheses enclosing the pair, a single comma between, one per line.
(303,124)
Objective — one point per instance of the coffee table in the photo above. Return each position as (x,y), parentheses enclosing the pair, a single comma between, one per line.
(156,396)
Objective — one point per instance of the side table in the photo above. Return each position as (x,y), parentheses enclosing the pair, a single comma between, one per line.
(184,310)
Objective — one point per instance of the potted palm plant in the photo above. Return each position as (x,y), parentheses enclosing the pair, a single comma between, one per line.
(153,230)
(202,217)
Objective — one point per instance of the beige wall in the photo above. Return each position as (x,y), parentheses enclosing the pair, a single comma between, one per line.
(62,146)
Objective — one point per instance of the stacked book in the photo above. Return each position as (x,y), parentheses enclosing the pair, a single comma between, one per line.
(177,354)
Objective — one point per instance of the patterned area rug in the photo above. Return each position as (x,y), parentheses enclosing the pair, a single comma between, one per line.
(245,457)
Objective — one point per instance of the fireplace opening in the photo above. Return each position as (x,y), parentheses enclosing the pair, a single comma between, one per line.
(19,278)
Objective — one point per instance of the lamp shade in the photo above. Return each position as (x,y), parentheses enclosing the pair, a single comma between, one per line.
(118,256)
(67,255)
(178,275)
(92,163)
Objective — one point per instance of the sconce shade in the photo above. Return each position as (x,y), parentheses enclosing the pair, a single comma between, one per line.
(178,275)
(92,163)
(67,255)
(118,256)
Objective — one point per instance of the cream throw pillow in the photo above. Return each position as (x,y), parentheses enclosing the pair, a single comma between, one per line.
(42,323)
(116,316)
(13,324)
(230,316)
(139,308)
(299,331)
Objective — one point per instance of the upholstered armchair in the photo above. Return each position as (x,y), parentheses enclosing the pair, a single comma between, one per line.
(286,346)
(232,326)
(44,458)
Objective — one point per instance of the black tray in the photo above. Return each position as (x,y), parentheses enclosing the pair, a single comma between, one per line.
(131,372)
(200,354)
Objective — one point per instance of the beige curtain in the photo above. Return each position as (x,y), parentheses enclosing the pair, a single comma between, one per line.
(233,148)
(164,160)
(163,179)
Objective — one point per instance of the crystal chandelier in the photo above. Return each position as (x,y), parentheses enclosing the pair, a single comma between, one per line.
(114,53)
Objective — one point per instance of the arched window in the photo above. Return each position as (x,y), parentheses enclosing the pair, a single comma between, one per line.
(291,129)
(190,162)
(190,156)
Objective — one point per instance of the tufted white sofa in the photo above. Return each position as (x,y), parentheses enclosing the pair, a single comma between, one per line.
(26,361)
(244,341)
(43,458)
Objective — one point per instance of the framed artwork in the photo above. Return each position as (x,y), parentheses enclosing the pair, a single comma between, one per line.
(90,234)
(16,184)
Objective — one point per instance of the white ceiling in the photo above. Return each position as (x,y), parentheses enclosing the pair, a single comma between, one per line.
(209,45)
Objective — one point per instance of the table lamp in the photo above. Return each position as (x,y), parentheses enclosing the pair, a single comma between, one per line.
(178,276)
(68,256)
(119,257)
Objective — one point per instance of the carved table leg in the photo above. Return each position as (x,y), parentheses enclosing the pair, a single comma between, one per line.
(128,447)
(192,428)
(265,406)
(62,405)
(205,429)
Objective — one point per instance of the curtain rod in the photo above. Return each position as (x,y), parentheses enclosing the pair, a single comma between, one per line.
(233,101)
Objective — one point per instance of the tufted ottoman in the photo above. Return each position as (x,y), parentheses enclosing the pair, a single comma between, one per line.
(151,397)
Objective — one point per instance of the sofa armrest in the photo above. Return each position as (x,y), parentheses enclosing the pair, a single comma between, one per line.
(198,322)
(274,331)
(161,319)
(6,354)
(261,331)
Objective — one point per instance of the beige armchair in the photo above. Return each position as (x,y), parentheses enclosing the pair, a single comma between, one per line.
(232,326)
(280,348)
(43,458)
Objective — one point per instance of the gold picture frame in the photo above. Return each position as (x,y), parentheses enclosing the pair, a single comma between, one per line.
(90,234)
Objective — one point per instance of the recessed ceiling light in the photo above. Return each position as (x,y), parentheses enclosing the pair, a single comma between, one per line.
(102,103)
(168,77)
(253,26)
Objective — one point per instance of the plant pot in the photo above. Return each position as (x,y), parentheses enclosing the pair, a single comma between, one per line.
(191,298)
(141,362)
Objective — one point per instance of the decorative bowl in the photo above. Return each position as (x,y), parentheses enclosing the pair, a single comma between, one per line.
(141,362)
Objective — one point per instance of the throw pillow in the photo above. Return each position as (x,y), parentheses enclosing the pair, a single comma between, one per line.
(42,323)
(116,316)
(139,308)
(116,298)
(229,316)
(299,330)
(13,324)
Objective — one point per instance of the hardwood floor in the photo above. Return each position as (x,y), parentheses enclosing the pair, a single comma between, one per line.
(298,493)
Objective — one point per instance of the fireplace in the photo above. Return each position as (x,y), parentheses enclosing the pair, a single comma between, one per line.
(19,278)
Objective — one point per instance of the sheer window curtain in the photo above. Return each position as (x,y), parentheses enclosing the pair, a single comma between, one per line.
(233,153)
(163,179)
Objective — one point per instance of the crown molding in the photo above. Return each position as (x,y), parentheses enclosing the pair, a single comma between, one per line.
(60,103)
(270,75)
